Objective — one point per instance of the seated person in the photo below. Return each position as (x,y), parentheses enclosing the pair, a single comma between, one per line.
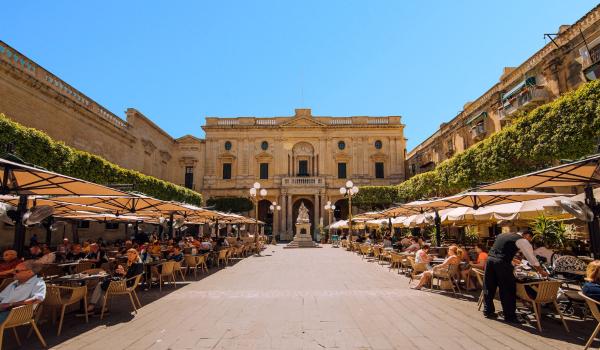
(206,245)
(48,258)
(86,247)
(133,268)
(96,255)
(7,268)
(155,249)
(479,263)
(413,247)
(422,256)
(27,289)
(405,242)
(387,242)
(128,245)
(591,288)
(452,259)
(175,255)
(76,253)
(64,248)
(35,252)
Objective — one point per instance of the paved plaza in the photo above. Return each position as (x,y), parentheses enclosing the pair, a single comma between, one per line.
(306,299)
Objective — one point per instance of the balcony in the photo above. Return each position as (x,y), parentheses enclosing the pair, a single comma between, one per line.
(303,181)
(525,101)
(478,132)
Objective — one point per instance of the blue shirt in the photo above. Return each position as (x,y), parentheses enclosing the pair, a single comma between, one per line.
(592,290)
(35,287)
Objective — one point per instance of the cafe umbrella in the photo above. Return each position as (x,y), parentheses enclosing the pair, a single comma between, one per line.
(584,172)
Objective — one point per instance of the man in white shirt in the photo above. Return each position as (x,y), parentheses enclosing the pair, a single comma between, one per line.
(27,289)
(499,273)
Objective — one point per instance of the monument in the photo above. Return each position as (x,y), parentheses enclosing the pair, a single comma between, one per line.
(302,238)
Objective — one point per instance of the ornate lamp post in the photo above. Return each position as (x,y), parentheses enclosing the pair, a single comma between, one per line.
(256,193)
(330,208)
(274,207)
(349,191)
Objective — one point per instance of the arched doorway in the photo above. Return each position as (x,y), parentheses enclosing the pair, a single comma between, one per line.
(341,210)
(311,214)
(265,215)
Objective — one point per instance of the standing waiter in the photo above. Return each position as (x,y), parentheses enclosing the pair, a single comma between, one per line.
(499,273)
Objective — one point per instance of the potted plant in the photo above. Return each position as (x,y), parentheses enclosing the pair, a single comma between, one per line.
(471,235)
(549,232)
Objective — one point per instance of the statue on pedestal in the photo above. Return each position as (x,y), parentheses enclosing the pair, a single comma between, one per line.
(302,215)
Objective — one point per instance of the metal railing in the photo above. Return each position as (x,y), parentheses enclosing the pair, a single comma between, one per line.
(303,181)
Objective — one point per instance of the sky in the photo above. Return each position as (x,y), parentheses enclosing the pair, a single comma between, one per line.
(180,61)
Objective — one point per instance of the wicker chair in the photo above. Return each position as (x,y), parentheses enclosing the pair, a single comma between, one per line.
(395,260)
(449,274)
(191,262)
(546,291)
(365,250)
(593,305)
(167,273)
(377,252)
(82,266)
(54,299)
(479,275)
(21,316)
(178,269)
(416,268)
(120,288)
(223,257)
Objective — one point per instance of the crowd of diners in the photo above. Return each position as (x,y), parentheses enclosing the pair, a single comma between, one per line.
(121,260)
(508,251)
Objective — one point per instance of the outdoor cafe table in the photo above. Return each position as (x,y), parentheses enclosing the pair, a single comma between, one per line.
(78,278)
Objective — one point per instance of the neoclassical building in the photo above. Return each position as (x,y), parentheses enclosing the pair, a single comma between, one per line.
(299,158)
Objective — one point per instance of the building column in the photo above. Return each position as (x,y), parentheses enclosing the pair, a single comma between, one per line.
(317,211)
(281,223)
(289,225)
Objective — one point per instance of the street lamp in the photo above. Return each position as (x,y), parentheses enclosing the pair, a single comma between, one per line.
(274,207)
(256,193)
(330,208)
(348,191)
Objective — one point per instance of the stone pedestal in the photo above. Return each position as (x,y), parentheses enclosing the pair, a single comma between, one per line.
(302,239)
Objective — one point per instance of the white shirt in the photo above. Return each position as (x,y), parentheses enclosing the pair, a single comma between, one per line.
(35,287)
(527,250)
(544,252)
(47,259)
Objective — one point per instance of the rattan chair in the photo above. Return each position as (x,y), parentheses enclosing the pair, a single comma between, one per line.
(21,316)
(415,268)
(450,274)
(479,275)
(377,252)
(365,250)
(395,260)
(546,293)
(55,300)
(82,266)
(166,273)
(223,257)
(120,288)
(178,269)
(191,262)
(593,305)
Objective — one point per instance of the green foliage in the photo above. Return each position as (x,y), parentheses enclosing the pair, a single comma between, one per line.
(550,233)
(375,197)
(230,204)
(471,235)
(36,147)
(567,128)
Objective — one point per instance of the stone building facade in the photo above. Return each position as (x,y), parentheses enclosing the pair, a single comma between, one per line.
(296,158)
(299,158)
(570,58)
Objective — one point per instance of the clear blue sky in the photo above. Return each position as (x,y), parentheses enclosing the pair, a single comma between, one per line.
(178,62)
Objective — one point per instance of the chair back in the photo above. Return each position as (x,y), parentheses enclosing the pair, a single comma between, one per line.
(19,315)
(53,296)
(83,265)
(223,253)
(479,273)
(190,260)
(167,268)
(419,267)
(547,291)
(376,251)
(136,282)
(592,304)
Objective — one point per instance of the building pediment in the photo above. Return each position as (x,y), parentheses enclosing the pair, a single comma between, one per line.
(303,122)
(226,156)
(342,157)
(379,156)
(264,156)
(189,139)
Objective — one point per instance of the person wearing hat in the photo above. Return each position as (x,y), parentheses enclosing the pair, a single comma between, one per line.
(499,273)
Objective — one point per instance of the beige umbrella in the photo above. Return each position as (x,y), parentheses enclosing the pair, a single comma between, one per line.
(456,215)
(479,199)
(406,209)
(526,210)
(585,172)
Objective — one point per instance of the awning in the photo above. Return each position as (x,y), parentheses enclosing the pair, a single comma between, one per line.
(477,117)
(515,90)
(480,199)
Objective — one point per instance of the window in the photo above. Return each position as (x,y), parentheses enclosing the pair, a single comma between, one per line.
(189,176)
(413,168)
(303,168)
(111,225)
(227,145)
(341,170)
(379,170)
(264,145)
(226,171)
(341,145)
(264,170)
(83,224)
(378,144)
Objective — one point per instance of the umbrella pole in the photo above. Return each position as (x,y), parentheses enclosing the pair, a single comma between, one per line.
(593,226)
(47,226)
(438,229)
(171,225)
(19,241)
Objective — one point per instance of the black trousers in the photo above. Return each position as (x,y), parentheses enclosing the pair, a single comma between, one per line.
(499,274)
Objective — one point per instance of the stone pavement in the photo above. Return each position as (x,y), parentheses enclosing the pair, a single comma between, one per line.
(311,299)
